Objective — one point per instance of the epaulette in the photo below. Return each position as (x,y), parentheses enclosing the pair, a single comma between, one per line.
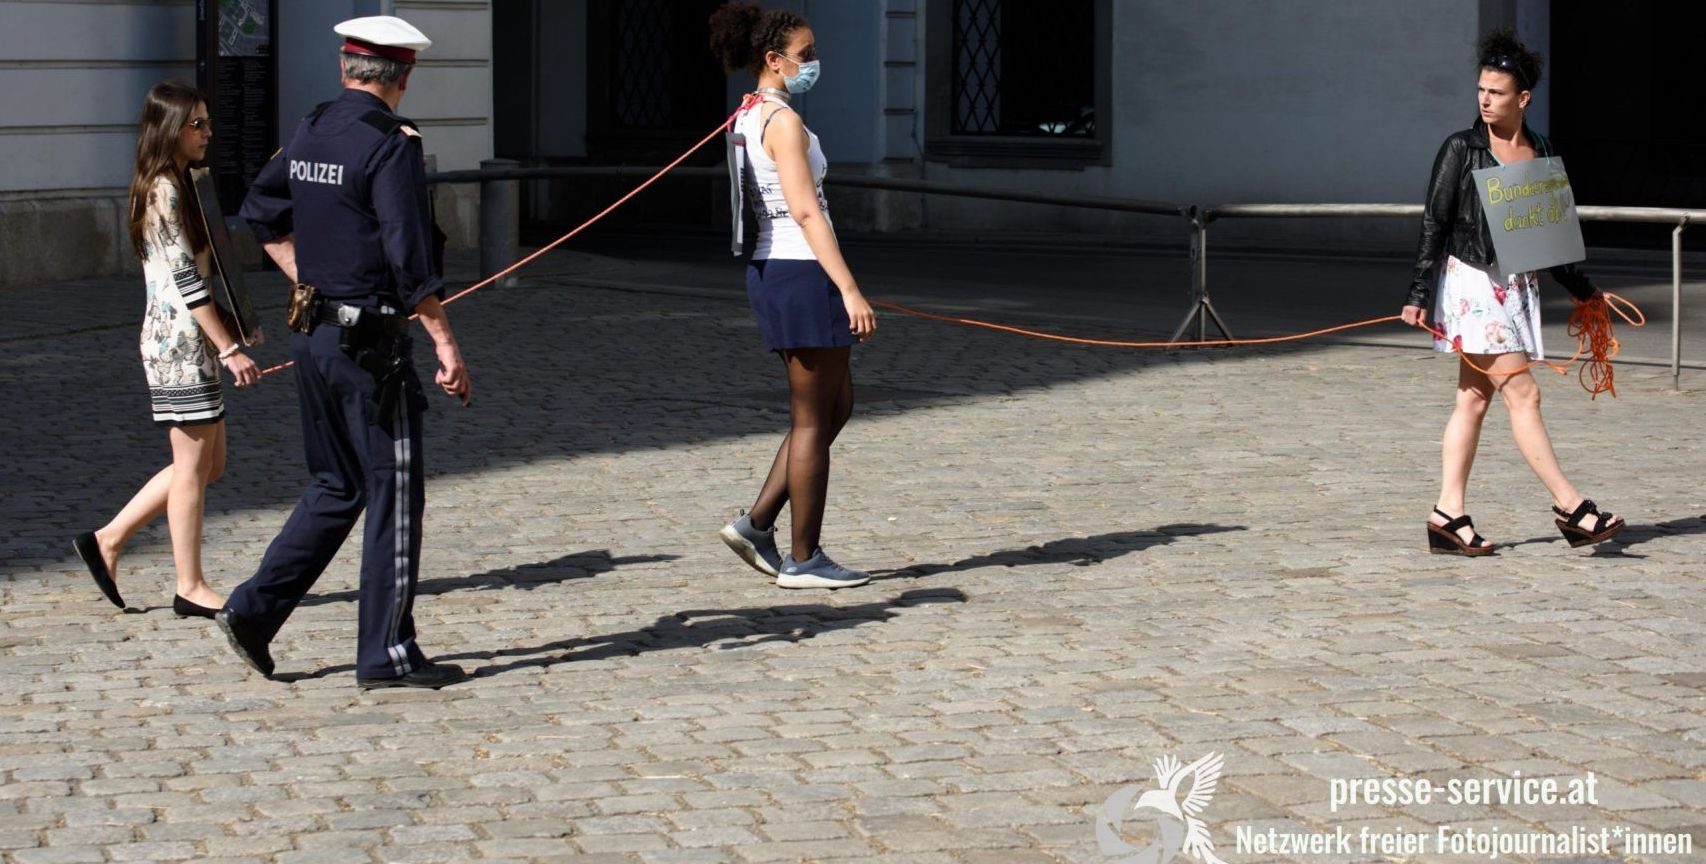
(389,123)
(385,123)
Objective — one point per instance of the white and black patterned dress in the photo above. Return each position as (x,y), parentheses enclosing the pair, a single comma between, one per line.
(182,369)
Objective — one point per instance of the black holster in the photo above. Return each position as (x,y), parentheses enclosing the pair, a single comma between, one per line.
(379,344)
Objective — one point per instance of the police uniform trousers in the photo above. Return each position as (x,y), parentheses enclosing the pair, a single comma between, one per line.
(355,464)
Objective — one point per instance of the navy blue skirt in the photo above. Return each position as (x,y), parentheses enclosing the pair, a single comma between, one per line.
(797,306)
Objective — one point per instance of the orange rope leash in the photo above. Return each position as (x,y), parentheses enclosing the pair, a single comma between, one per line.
(745,103)
(1590,326)
(1590,322)
(1109,343)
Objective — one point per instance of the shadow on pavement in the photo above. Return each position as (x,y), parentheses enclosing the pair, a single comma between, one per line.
(562,370)
(575,565)
(699,628)
(1635,535)
(1078,551)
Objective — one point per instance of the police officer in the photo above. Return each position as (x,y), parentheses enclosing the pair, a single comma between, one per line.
(343,210)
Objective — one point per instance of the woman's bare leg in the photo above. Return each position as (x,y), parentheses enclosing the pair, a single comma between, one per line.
(148,504)
(194,452)
(1462,438)
(1522,398)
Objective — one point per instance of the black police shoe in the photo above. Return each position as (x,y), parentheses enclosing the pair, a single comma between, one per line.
(429,677)
(246,641)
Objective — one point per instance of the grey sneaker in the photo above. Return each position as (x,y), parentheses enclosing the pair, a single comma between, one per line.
(755,547)
(818,572)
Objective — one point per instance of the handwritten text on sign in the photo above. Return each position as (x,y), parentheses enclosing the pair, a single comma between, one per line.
(1531,212)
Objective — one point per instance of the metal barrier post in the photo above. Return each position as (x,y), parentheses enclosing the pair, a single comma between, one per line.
(500,219)
(1202,309)
(1676,305)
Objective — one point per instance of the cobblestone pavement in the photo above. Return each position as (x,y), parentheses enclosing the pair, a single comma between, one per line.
(1088,559)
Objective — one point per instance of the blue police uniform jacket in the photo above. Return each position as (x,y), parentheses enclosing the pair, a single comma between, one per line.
(350,185)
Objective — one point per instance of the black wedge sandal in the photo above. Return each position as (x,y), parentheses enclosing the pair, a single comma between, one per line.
(1443,539)
(1605,526)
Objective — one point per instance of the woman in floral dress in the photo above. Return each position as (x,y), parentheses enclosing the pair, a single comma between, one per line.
(183,345)
(1489,316)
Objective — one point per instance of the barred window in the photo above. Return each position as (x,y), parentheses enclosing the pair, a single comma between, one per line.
(1018,82)
(1024,68)
(642,60)
(649,70)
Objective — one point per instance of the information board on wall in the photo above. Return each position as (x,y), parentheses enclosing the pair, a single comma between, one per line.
(237,67)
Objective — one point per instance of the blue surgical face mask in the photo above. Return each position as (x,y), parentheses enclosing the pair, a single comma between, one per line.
(803,81)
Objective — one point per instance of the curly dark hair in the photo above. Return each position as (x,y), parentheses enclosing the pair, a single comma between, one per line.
(1501,51)
(742,33)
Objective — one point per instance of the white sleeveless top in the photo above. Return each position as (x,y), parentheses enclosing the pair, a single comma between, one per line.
(779,236)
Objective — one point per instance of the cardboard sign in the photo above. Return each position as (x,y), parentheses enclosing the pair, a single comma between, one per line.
(227,272)
(1531,213)
(734,147)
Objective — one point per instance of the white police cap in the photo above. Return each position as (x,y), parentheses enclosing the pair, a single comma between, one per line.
(382,36)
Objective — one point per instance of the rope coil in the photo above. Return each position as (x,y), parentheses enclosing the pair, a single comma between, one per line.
(1596,345)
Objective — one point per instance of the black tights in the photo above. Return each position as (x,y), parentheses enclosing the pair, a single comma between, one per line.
(820,387)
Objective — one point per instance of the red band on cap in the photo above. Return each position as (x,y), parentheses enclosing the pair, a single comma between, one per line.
(389,52)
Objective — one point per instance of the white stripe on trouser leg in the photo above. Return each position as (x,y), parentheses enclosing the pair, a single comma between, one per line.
(400,528)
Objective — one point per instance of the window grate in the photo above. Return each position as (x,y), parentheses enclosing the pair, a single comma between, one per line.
(643,64)
(977,66)
(1024,68)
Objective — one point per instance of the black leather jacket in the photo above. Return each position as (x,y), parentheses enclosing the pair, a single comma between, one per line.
(1452,221)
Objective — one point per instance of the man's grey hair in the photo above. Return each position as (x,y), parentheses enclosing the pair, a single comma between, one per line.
(373,70)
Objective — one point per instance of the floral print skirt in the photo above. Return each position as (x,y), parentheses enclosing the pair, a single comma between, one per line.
(1483,313)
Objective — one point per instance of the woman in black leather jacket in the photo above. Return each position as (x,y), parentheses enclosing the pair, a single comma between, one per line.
(1492,317)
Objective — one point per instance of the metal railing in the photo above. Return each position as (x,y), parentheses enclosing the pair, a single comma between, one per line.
(500,208)
(1202,308)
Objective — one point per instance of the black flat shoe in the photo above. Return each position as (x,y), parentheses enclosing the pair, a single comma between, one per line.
(89,549)
(187,609)
(1443,539)
(1605,526)
(429,677)
(246,641)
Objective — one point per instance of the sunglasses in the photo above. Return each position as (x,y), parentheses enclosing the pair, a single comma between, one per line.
(1509,64)
(201,123)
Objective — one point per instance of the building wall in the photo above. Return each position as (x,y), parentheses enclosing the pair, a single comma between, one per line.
(450,91)
(72,78)
(450,98)
(67,155)
(307,66)
(1247,101)
(1212,102)
(560,47)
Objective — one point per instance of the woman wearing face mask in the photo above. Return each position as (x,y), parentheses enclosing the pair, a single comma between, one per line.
(183,345)
(1493,317)
(808,306)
